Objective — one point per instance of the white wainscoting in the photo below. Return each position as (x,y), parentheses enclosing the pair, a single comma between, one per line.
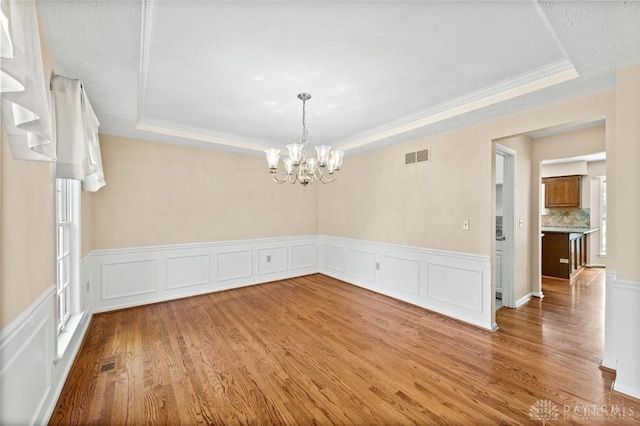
(137,276)
(27,353)
(454,284)
(610,328)
(304,256)
(627,338)
(31,372)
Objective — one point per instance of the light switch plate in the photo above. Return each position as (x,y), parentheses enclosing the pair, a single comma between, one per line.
(465,224)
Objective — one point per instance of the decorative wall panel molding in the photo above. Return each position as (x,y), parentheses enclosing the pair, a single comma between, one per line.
(188,270)
(611,329)
(627,345)
(233,265)
(304,256)
(129,278)
(141,275)
(272,259)
(451,283)
(401,273)
(332,257)
(361,264)
(461,289)
(31,374)
(26,356)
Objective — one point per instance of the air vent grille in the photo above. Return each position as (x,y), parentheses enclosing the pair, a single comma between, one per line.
(421,156)
(410,158)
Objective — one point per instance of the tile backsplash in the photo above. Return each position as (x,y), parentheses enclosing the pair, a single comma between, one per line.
(567,217)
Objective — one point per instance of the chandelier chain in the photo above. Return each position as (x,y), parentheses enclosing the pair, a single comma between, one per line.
(305,133)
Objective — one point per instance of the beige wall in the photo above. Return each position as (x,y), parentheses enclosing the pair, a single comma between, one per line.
(86,223)
(26,225)
(570,144)
(522,145)
(626,175)
(27,233)
(167,194)
(379,198)
(424,205)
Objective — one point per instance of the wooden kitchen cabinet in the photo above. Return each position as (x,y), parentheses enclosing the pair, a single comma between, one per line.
(563,254)
(562,191)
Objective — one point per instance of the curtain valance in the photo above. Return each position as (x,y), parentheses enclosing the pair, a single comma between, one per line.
(28,120)
(76,134)
(23,92)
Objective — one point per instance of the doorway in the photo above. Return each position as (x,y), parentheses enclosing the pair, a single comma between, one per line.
(504,260)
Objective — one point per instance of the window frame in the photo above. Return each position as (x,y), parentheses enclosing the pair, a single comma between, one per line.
(67,250)
(603,216)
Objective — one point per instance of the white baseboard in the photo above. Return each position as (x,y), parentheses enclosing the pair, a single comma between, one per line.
(451,283)
(524,299)
(633,391)
(124,278)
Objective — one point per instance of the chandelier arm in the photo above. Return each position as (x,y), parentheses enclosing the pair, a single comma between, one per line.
(325,180)
(317,174)
(275,179)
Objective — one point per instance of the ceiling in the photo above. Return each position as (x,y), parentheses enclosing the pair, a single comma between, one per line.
(598,156)
(225,74)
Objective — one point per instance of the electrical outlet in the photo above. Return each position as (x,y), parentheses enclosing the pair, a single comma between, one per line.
(377,266)
(465,224)
(268,258)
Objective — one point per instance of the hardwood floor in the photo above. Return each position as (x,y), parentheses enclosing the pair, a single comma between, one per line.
(315,350)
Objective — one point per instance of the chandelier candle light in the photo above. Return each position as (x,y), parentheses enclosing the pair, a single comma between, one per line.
(298,166)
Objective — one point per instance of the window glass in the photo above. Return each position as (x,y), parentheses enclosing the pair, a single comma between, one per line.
(64,234)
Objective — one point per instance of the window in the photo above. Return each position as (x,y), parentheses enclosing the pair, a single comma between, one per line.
(66,249)
(603,215)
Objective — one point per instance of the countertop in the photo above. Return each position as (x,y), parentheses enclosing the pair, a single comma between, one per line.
(560,230)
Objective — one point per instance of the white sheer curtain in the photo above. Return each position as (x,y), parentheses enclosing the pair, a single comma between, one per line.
(26,113)
(23,92)
(76,134)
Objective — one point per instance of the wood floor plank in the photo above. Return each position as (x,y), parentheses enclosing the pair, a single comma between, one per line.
(315,350)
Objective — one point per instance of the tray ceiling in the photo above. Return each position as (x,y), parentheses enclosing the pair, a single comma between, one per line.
(226,74)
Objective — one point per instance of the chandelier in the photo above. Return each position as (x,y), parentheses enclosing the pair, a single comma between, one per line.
(298,166)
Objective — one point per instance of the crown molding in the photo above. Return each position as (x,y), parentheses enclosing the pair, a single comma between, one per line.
(540,78)
(201,135)
(148,19)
